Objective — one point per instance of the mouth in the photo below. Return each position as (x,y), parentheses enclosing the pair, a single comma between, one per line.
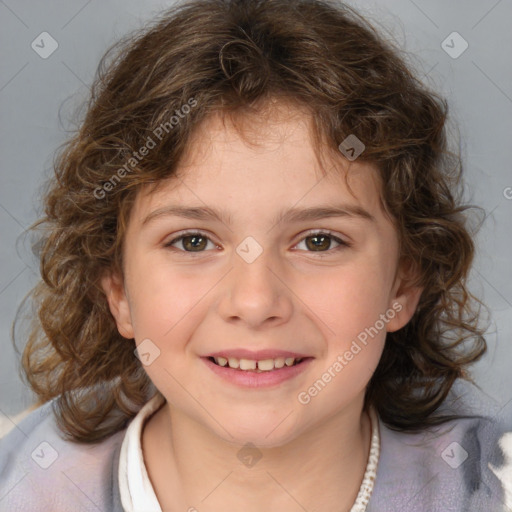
(258,373)
(257,366)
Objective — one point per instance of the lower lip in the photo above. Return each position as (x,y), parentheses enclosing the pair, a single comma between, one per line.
(249,379)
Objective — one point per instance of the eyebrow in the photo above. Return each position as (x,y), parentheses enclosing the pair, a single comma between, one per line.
(293,215)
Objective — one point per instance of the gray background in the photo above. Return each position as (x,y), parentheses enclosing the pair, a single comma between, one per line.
(35,91)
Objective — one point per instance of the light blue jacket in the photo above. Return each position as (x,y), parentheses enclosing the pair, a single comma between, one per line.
(424,472)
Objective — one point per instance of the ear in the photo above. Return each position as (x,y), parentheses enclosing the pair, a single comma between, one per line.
(114,289)
(405,296)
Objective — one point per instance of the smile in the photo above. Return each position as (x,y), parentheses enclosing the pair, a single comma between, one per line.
(264,365)
(248,373)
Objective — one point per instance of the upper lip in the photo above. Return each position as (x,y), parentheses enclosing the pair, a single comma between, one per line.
(259,355)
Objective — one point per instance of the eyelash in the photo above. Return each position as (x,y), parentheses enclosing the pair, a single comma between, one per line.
(343,243)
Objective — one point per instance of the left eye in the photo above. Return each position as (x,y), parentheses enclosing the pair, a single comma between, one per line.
(322,240)
(318,241)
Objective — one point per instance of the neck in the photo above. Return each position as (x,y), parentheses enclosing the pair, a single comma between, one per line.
(321,469)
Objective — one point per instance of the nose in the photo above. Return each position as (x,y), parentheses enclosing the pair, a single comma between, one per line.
(256,293)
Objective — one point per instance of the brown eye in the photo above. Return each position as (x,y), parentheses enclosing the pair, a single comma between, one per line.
(190,242)
(322,242)
(194,242)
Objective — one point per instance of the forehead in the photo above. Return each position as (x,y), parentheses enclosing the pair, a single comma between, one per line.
(261,161)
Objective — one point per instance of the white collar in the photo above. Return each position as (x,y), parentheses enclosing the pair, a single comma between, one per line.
(137,494)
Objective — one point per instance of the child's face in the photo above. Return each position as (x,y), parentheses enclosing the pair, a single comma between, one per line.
(311,296)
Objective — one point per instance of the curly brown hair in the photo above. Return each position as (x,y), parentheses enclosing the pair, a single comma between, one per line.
(230,56)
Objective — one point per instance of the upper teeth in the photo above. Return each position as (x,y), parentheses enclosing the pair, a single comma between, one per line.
(250,364)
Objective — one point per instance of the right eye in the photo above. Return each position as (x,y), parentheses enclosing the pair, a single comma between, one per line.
(191,241)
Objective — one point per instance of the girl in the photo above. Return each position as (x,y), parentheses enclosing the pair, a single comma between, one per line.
(253,287)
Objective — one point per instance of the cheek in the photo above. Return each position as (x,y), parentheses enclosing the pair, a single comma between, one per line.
(349,305)
(347,300)
(166,299)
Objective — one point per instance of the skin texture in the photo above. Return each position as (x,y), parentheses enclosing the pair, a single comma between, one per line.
(291,298)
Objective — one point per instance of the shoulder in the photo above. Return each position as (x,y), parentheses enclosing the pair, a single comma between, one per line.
(40,470)
(453,467)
